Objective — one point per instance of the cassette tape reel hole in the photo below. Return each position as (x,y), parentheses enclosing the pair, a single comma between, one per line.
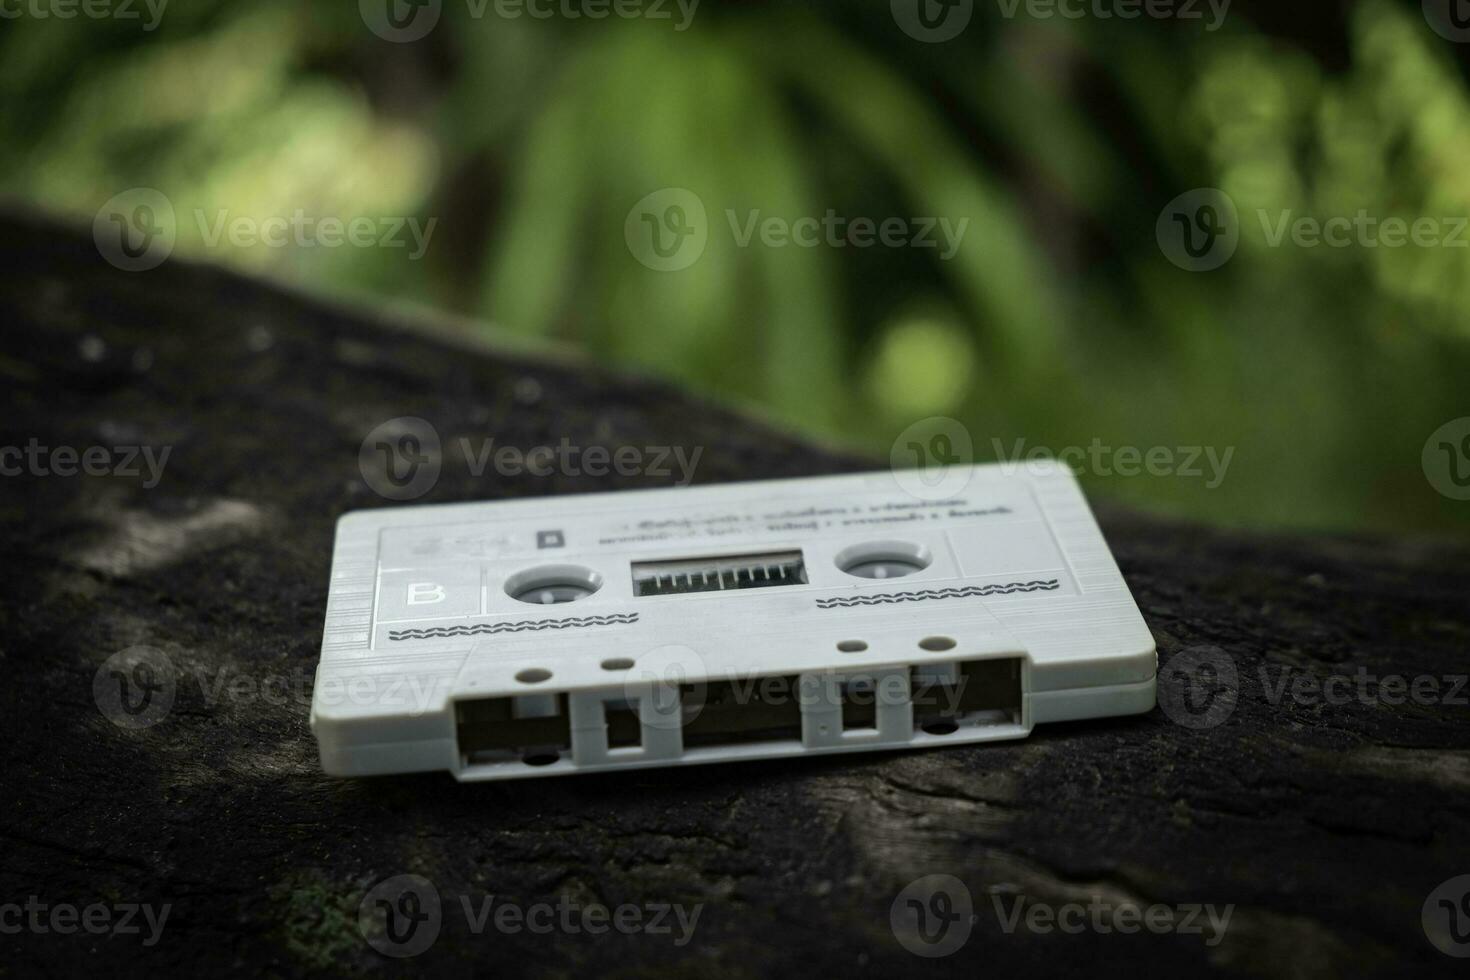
(884,559)
(553,584)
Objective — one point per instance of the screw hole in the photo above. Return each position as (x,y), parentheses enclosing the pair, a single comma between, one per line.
(941,728)
(618,663)
(541,758)
(852,646)
(936,643)
(533,675)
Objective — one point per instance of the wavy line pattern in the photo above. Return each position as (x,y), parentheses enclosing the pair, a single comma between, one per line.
(969,591)
(520,626)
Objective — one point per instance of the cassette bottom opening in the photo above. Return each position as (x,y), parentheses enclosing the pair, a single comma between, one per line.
(778,714)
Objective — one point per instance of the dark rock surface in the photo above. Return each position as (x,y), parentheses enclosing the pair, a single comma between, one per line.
(1325,825)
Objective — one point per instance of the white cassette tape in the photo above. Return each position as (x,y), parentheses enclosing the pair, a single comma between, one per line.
(751,620)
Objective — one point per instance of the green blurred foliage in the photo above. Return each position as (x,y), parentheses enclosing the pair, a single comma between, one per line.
(1057,321)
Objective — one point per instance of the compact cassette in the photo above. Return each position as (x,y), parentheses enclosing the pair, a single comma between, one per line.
(605,631)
